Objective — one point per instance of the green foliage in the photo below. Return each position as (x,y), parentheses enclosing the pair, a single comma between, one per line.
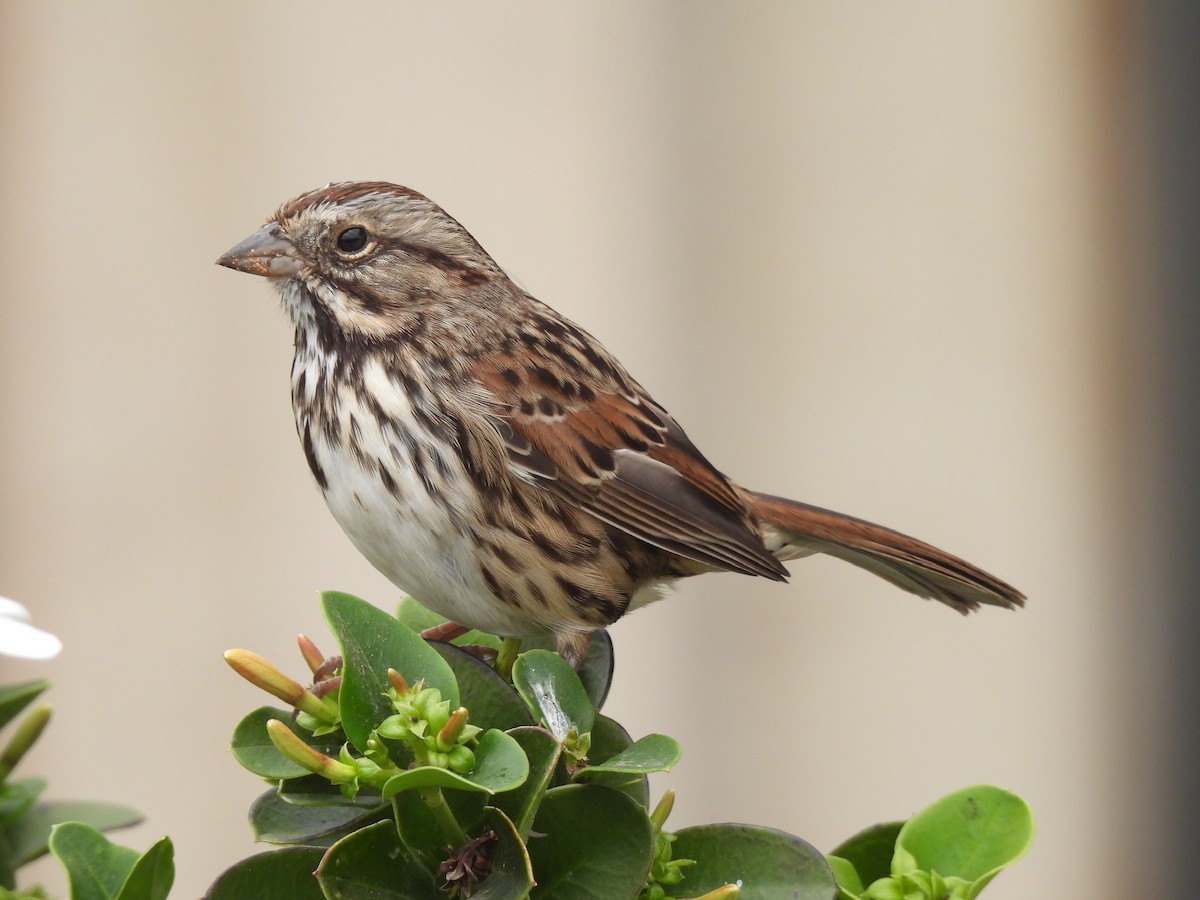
(101,870)
(372,643)
(419,772)
(70,829)
(285,874)
(782,865)
(15,697)
(598,843)
(950,850)
(444,779)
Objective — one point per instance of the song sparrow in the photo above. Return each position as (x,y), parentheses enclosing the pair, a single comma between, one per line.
(493,459)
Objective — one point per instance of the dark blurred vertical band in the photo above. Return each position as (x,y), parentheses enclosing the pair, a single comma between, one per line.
(1169,101)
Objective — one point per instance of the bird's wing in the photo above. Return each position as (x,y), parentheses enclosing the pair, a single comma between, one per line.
(593,436)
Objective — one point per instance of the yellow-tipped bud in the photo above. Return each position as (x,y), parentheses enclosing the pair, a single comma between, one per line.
(452,730)
(263,674)
(287,743)
(663,810)
(728,892)
(398,683)
(313,657)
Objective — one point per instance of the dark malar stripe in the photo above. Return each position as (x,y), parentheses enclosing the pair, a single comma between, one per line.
(310,454)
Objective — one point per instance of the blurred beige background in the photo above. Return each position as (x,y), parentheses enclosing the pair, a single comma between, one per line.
(870,255)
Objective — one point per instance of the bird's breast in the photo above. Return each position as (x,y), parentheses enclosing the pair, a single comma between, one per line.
(394,479)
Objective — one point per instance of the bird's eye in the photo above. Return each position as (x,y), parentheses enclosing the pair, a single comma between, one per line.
(352,240)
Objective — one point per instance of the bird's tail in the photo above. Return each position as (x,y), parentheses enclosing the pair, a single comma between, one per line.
(796,529)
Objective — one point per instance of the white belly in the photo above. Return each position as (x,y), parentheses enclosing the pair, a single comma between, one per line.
(407,530)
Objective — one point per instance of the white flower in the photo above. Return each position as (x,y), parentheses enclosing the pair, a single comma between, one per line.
(19,638)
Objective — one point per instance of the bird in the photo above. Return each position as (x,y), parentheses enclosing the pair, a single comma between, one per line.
(493,460)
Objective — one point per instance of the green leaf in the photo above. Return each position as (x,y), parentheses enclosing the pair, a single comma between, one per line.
(313,790)
(17,797)
(768,864)
(372,864)
(429,776)
(597,843)
(870,851)
(500,765)
(972,833)
(846,876)
(253,748)
(8,868)
(152,874)
(512,874)
(30,834)
(274,875)
(595,669)
(542,750)
(254,751)
(652,753)
(421,831)
(490,699)
(892,889)
(15,697)
(553,692)
(372,642)
(610,739)
(96,867)
(274,820)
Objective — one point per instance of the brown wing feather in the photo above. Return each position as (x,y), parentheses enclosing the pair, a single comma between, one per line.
(623,459)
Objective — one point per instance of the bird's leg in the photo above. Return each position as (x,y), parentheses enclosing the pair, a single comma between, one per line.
(573,646)
(484,652)
(447,632)
(324,677)
(324,668)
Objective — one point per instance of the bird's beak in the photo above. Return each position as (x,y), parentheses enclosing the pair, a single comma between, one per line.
(266,252)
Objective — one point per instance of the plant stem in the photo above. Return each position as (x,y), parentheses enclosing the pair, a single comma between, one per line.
(436,802)
(507,656)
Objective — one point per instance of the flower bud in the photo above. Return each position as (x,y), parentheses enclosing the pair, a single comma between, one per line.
(287,743)
(376,752)
(449,734)
(313,657)
(662,811)
(263,674)
(399,685)
(577,745)
(364,768)
(439,716)
(396,728)
(460,759)
(424,699)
